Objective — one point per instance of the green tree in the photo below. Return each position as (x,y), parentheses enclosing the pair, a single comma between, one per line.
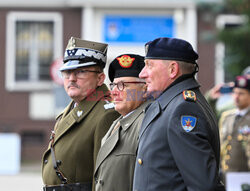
(236,38)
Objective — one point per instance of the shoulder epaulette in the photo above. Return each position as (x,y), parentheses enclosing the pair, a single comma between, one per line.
(189,95)
(228,113)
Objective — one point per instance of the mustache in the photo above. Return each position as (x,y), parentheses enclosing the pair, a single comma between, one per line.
(72,84)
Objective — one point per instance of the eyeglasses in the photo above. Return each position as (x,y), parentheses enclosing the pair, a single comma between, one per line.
(77,73)
(120,85)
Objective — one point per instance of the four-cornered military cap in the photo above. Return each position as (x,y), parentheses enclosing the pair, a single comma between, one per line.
(81,53)
(170,49)
(126,65)
(242,82)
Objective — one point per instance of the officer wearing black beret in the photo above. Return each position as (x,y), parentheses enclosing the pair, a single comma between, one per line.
(116,158)
(68,163)
(179,147)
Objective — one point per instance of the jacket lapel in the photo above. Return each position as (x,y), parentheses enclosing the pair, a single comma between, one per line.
(77,114)
(149,116)
(110,143)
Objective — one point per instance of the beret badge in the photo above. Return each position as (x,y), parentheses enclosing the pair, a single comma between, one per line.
(242,82)
(125,61)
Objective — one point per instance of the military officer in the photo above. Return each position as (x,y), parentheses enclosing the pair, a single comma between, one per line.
(235,130)
(179,146)
(68,163)
(116,158)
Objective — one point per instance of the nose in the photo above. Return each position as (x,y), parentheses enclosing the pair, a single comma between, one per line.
(114,91)
(143,73)
(72,76)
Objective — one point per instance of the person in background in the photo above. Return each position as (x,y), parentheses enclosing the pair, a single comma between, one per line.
(68,163)
(179,145)
(235,130)
(220,96)
(116,158)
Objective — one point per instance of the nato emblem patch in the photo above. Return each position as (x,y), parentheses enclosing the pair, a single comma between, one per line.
(188,122)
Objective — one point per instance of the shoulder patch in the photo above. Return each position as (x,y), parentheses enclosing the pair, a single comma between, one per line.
(188,122)
(189,95)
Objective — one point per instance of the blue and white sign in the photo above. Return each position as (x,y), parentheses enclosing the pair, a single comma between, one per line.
(10,153)
(137,29)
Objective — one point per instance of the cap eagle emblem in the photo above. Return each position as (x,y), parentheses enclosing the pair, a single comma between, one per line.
(125,61)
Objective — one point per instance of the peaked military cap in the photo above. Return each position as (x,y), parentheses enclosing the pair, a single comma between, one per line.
(170,49)
(242,82)
(81,53)
(126,65)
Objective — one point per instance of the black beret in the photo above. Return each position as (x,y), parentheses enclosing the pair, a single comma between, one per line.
(126,65)
(242,82)
(170,49)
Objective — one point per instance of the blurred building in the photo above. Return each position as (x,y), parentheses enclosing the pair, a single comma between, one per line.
(34,34)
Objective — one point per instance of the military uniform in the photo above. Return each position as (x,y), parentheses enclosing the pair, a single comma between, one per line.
(235,141)
(179,145)
(116,158)
(69,161)
(174,155)
(78,134)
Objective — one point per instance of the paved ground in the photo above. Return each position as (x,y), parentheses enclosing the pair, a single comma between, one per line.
(29,179)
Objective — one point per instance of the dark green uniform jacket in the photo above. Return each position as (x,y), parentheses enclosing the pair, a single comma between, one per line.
(116,158)
(78,134)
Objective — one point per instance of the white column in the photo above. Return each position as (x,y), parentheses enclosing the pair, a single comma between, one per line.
(191,26)
(87,23)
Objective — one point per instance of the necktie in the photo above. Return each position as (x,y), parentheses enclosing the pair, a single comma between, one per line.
(237,119)
(116,127)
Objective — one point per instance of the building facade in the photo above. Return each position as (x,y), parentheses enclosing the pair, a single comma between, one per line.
(34,34)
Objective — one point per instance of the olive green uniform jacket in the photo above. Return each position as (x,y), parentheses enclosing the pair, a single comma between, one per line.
(235,140)
(78,134)
(116,158)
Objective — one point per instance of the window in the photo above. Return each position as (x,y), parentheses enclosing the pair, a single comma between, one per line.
(34,41)
(223,71)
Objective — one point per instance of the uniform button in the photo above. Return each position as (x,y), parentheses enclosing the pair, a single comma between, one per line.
(225,167)
(45,161)
(240,137)
(229,147)
(227,157)
(140,161)
(229,137)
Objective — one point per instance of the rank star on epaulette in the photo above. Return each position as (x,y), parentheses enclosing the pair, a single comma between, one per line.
(189,95)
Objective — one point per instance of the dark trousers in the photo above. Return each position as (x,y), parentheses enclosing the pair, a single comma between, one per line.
(69,187)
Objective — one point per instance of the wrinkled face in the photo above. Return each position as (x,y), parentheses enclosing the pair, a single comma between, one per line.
(130,97)
(79,88)
(155,73)
(241,98)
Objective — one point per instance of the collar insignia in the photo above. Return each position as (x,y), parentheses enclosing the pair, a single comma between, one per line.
(110,105)
(79,113)
(188,122)
(125,61)
(189,95)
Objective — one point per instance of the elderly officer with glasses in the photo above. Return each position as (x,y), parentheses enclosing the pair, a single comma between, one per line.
(68,163)
(116,158)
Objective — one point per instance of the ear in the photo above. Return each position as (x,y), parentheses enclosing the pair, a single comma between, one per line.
(173,69)
(101,78)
